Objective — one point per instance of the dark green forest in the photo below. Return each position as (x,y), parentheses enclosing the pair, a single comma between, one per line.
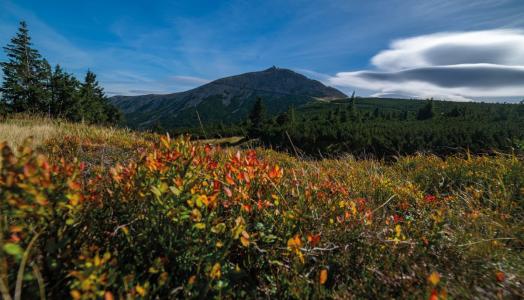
(30,85)
(381,127)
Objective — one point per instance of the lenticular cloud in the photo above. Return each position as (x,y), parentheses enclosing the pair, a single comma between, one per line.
(455,66)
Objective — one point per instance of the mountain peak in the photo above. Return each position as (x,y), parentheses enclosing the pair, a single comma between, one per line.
(226,99)
(282,81)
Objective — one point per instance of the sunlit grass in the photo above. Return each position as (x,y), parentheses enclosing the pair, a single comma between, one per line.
(16,130)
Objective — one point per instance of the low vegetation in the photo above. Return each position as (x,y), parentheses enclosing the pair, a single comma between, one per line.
(381,128)
(92,212)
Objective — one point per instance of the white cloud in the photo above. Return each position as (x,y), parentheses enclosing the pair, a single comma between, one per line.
(450,65)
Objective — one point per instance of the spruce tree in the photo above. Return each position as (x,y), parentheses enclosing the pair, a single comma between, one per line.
(24,86)
(426,112)
(257,117)
(92,100)
(292,116)
(352,104)
(65,97)
(257,114)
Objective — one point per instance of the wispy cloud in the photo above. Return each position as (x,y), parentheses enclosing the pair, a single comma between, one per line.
(55,46)
(450,65)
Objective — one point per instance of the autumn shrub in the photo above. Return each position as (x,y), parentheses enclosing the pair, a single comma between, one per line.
(179,219)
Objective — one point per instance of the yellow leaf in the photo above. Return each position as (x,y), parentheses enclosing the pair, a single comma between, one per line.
(239,227)
(215,271)
(398,230)
(244,241)
(196,215)
(294,242)
(74,198)
(175,190)
(75,294)
(218,228)
(434,278)
(202,200)
(200,226)
(323,276)
(41,199)
(140,290)
(166,141)
(97,261)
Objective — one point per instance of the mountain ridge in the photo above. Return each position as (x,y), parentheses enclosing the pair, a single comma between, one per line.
(226,99)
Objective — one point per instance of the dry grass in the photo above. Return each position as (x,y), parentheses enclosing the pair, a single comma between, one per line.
(15,131)
(222,141)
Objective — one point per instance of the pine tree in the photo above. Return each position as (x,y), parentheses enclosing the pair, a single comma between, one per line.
(65,98)
(24,87)
(92,100)
(353,104)
(426,112)
(292,116)
(257,114)
(282,119)
(45,100)
(376,113)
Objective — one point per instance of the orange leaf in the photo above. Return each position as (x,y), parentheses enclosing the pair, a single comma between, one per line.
(108,296)
(434,295)
(434,278)
(229,179)
(323,276)
(500,276)
(313,239)
(294,242)
(244,241)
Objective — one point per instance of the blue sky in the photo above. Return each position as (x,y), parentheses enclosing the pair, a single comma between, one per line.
(138,47)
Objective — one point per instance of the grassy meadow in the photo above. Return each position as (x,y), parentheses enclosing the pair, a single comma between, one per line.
(92,212)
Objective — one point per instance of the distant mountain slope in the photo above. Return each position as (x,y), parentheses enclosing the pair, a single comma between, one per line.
(224,100)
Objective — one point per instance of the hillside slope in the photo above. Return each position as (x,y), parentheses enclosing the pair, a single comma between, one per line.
(224,100)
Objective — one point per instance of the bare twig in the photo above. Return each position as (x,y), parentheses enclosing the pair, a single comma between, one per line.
(122,226)
(21,269)
(383,204)
(40,280)
(485,240)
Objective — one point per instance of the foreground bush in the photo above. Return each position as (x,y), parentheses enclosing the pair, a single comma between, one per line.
(184,220)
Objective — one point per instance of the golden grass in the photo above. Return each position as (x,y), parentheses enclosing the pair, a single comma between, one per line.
(221,141)
(15,131)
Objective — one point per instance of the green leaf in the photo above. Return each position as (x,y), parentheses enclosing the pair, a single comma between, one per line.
(156,191)
(218,228)
(13,249)
(175,190)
